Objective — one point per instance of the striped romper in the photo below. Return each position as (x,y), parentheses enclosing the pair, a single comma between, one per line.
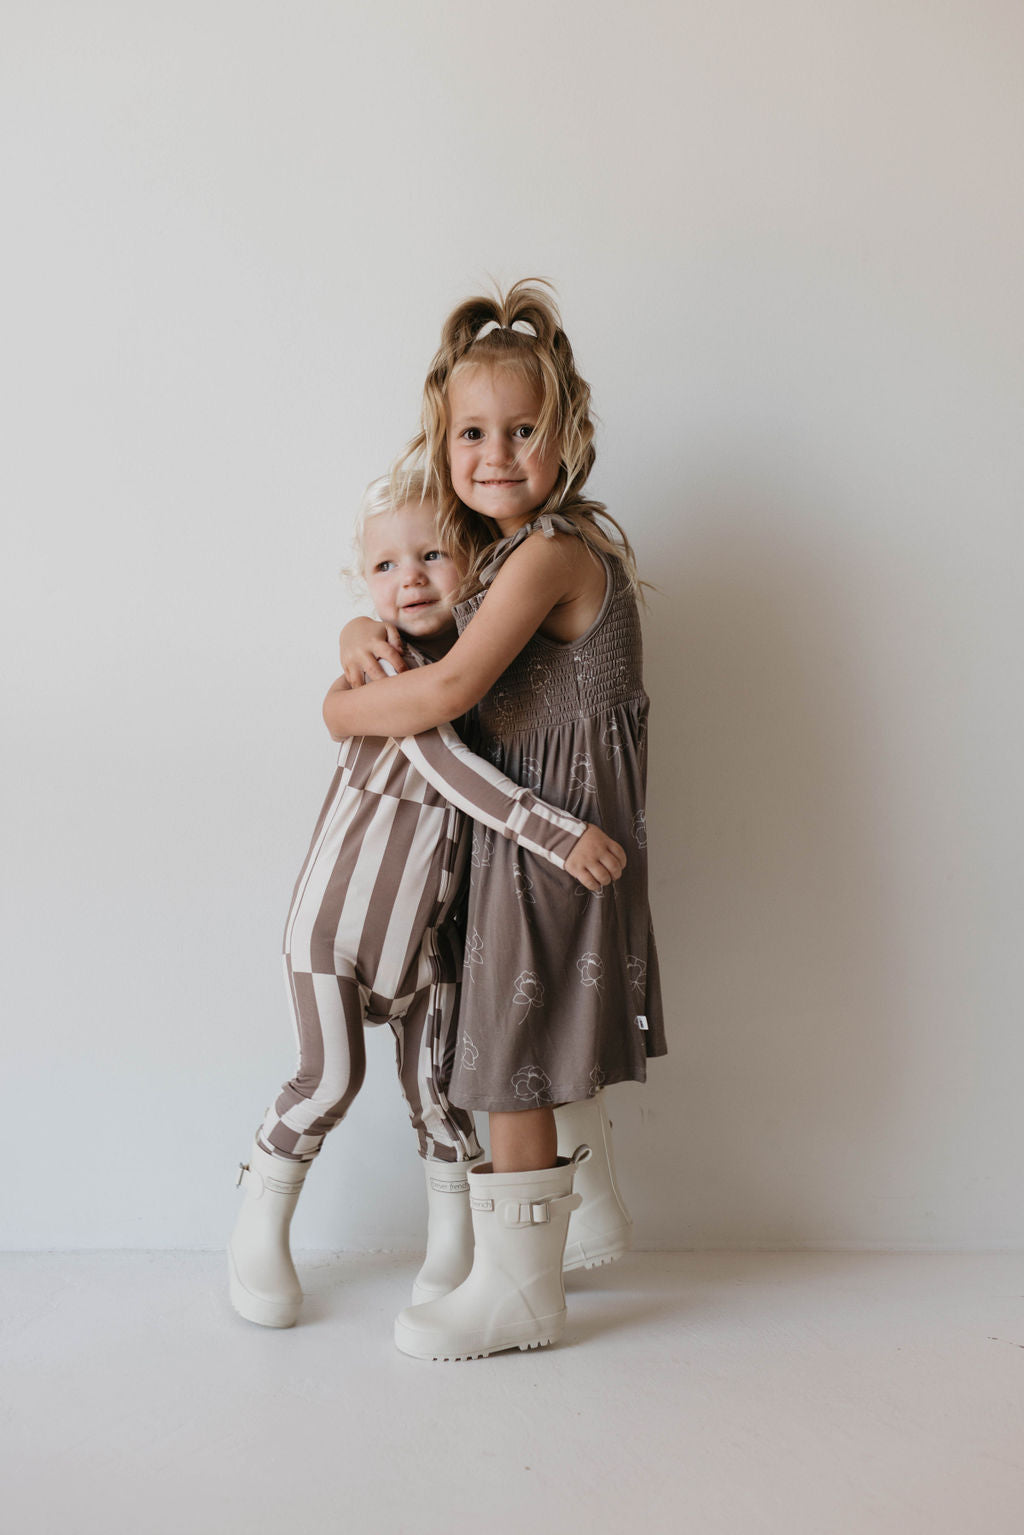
(368,940)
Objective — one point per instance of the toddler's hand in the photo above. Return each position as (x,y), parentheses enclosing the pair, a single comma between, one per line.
(363,644)
(596,860)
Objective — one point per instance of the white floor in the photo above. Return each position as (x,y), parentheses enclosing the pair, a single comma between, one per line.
(741,1393)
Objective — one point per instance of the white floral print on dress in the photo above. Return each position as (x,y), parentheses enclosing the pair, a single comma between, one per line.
(597,1080)
(540,676)
(640,829)
(589,672)
(591,969)
(529,990)
(501,705)
(474,953)
(529,773)
(586,670)
(581,773)
(636,970)
(613,744)
(470,1054)
(524,886)
(483,845)
(531,1085)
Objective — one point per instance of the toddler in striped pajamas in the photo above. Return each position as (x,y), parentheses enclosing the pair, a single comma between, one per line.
(371,938)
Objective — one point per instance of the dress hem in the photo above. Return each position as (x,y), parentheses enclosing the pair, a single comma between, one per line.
(551,1099)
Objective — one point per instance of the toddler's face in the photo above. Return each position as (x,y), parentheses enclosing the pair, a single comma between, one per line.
(411,579)
(493,413)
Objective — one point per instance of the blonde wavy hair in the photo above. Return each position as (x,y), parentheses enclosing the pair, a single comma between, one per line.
(520,329)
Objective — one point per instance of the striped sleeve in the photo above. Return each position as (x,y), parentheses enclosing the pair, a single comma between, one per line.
(484,792)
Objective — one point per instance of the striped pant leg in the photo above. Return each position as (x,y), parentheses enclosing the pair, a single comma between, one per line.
(423,1040)
(328,1014)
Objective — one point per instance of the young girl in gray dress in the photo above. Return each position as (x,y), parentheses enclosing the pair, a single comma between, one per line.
(561,994)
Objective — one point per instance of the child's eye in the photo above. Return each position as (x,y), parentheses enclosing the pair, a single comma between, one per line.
(525,431)
(471,434)
(382,566)
(434,554)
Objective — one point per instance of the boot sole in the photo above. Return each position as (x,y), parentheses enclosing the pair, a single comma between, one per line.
(526,1336)
(257,1308)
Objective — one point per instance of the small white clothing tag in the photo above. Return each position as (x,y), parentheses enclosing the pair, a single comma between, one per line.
(641,1021)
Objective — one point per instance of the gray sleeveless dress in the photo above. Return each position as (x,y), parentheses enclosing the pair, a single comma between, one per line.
(560,991)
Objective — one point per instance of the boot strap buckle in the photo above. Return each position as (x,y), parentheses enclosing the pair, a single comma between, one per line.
(538,1212)
(531,1213)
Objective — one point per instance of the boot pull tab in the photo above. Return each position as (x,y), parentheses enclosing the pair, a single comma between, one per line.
(580,1155)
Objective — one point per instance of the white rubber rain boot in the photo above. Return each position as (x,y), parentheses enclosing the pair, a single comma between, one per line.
(264,1285)
(601,1230)
(449,1230)
(515,1295)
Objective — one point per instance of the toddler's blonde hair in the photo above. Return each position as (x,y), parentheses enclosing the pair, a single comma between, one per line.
(520,329)
(378,497)
(387,494)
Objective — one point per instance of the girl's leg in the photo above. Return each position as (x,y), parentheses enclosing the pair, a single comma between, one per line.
(601,1229)
(514,1296)
(524,1142)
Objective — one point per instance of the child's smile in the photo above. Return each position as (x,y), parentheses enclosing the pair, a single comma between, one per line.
(493,413)
(411,579)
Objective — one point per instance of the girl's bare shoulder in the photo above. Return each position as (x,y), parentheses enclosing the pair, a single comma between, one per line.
(552,551)
(576,581)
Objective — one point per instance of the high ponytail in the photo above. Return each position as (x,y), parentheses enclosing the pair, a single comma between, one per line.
(520,329)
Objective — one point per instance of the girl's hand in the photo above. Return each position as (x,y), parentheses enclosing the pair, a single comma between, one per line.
(596,860)
(363,644)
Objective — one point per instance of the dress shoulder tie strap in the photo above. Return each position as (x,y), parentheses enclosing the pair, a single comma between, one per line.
(549,524)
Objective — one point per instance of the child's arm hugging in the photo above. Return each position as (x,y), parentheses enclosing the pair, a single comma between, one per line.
(487,795)
(535,579)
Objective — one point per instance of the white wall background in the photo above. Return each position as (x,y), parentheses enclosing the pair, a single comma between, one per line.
(789,243)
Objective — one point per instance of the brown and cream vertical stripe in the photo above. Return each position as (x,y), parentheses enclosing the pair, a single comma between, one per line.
(365,938)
